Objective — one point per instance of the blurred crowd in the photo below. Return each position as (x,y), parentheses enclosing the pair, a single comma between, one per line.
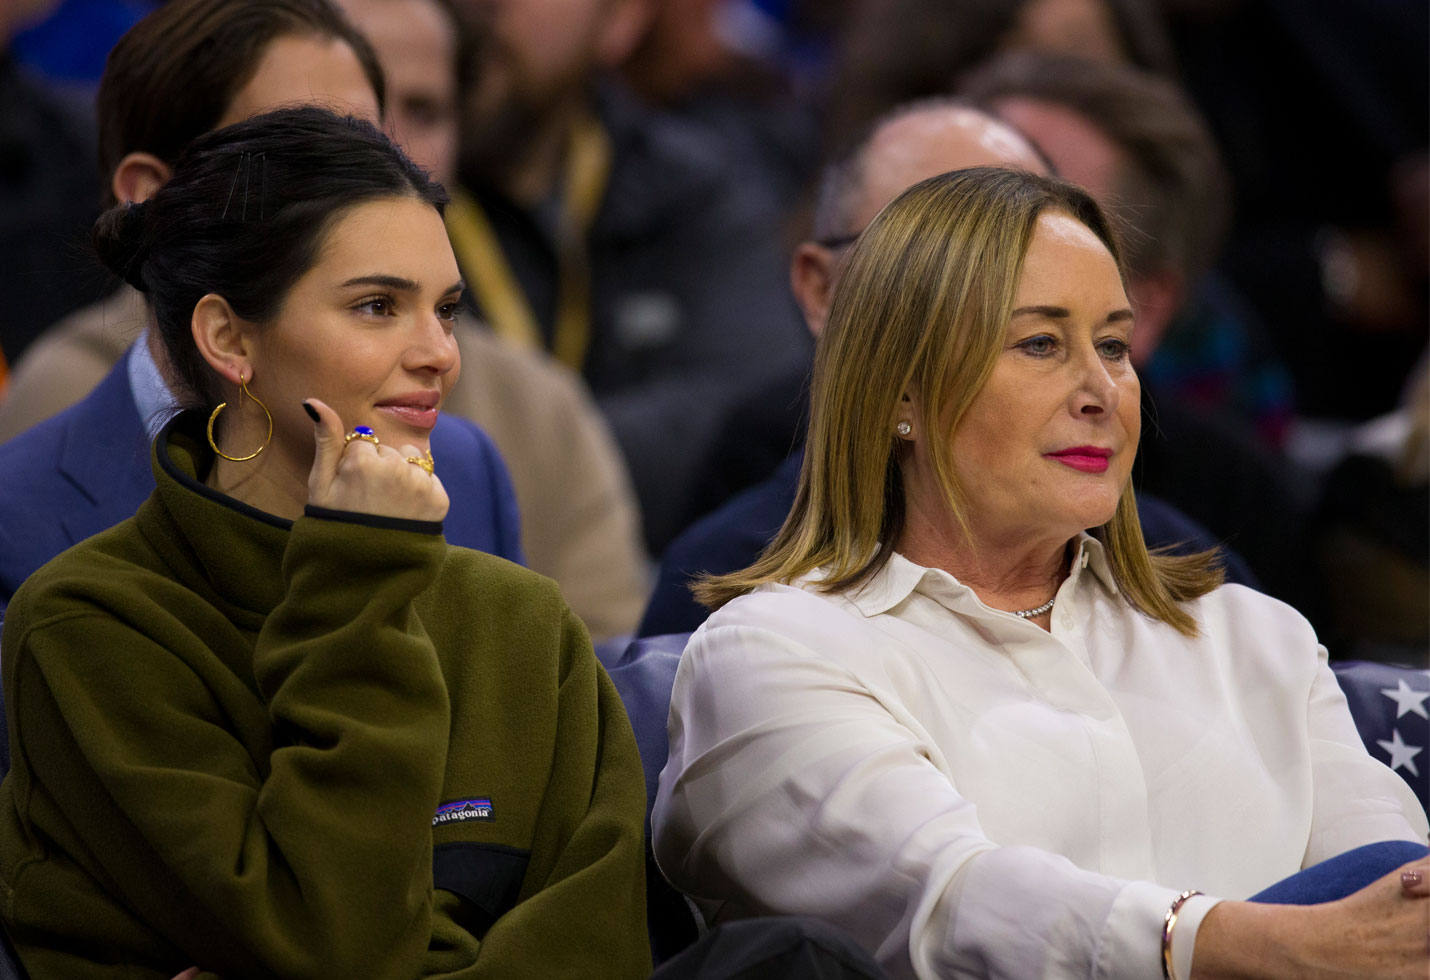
(647,192)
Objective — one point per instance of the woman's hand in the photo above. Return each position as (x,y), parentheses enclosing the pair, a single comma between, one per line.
(1381,932)
(367,479)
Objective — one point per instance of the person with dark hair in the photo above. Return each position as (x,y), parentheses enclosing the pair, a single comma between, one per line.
(896,51)
(578,516)
(959,709)
(84,470)
(580,523)
(273,725)
(213,63)
(188,67)
(618,238)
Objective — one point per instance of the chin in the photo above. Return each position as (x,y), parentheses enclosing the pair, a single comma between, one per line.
(1097,517)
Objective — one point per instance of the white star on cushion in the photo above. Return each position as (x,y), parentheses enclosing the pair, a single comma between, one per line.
(1406,699)
(1400,753)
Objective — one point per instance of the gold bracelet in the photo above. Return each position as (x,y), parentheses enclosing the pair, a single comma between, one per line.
(1168,924)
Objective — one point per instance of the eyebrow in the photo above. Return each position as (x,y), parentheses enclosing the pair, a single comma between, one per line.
(1062,313)
(398,283)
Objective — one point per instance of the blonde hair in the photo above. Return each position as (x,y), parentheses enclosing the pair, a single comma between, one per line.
(922,304)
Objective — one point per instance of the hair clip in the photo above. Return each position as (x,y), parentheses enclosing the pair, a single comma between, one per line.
(263,187)
(232,184)
(245,167)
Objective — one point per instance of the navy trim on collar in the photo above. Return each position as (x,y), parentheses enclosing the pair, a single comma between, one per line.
(374,520)
(203,460)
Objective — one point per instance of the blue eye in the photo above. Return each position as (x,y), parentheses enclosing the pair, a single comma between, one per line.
(1039,346)
(1114,349)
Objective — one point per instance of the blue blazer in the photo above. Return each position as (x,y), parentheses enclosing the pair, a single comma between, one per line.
(87,469)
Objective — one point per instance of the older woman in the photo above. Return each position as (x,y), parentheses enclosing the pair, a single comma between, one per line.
(957,708)
(272,725)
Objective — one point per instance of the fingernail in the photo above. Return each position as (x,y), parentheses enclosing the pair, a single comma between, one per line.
(312,412)
(1410,878)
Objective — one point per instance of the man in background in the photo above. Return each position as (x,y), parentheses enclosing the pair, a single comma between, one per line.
(618,239)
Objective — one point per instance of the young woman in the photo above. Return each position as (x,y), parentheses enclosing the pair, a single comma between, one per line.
(273,725)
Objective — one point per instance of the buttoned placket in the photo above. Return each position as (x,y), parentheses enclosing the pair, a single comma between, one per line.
(1057,668)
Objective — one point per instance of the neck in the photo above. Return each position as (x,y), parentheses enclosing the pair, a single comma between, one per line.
(535,174)
(271,482)
(1014,572)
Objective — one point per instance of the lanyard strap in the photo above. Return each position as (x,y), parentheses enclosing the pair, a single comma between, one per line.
(500,296)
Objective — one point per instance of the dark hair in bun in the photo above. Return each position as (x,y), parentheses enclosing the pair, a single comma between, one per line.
(119,239)
(244,215)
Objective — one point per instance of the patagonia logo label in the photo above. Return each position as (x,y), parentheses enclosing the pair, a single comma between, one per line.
(459,811)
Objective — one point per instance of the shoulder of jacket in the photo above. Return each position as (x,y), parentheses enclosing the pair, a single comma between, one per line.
(103,330)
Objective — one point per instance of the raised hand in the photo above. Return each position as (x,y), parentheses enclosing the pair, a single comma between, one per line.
(365,478)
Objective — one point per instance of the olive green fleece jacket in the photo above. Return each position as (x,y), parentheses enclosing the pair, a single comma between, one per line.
(330,748)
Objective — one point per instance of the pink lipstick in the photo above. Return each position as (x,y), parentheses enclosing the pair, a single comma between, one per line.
(417,409)
(1085,459)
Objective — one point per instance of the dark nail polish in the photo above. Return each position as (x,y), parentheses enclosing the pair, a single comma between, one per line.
(312,412)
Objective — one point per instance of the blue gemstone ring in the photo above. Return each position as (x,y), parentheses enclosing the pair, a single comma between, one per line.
(363,432)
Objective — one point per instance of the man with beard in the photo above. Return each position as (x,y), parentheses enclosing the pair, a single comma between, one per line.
(616,238)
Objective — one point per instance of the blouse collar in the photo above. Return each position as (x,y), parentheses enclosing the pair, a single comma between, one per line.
(900,578)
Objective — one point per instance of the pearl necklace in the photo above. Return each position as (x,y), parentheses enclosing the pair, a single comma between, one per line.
(1030,613)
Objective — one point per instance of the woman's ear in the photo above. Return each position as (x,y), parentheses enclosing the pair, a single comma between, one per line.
(138,176)
(908,414)
(223,338)
(1156,298)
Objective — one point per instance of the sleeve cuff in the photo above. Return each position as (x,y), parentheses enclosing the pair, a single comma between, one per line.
(374,520)
(1184,937)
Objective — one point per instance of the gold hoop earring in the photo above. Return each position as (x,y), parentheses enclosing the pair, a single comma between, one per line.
(242,390)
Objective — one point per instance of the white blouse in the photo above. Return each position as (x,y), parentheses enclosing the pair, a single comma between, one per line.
(972,796)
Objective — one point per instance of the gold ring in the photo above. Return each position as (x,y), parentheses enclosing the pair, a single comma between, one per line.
(363,432)
(424,461)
